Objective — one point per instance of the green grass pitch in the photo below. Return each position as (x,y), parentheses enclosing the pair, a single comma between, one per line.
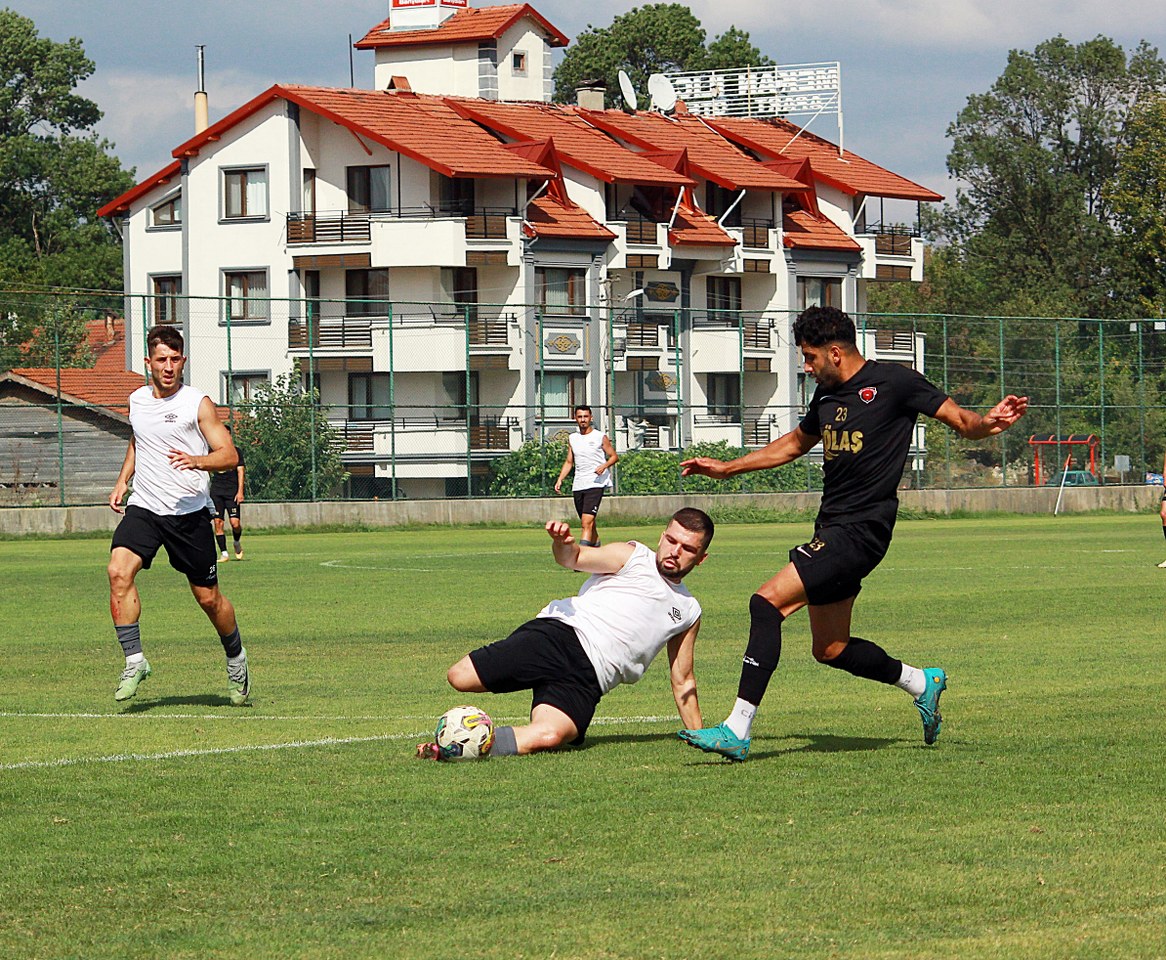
(178,827)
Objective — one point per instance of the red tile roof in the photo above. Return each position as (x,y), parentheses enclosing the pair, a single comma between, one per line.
(693,227)
(850,173)
(465,26)
(122,203)
(549,218)
(577,142)
(710,155)
(804,231)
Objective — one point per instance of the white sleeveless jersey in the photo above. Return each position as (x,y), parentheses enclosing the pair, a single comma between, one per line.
(162,425)
(624,619)
(587,450)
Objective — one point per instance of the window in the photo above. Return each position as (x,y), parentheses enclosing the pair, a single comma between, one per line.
(246,293)
(455,195)
(819,292)
(309,191)
(168,213)
(456,397)
(368,396)
(244,193)
(724,396)
(560,392)
(518,63)
(312,294)
(367,292)
(369,189)
(723,294)
(240,387)
(561,291)
(718,199)
(166,303)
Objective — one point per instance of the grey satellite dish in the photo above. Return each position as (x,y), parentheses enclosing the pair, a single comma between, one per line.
(662,92)
(628,91)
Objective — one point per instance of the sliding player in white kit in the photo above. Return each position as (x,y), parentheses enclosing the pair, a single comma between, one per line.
(177,438)
(591,454)
(580,648)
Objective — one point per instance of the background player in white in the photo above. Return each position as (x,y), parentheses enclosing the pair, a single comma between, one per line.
(580,648)
(864,415)
(177,437)
(591,454)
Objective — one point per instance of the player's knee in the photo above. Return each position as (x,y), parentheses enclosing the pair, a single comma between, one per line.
(545,738)
(120,579)
(462,676)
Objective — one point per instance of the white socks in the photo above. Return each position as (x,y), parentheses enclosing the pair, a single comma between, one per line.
(740,721)
(134,659)
(913,680)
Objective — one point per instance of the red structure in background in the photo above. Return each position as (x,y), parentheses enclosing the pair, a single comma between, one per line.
(1046,441)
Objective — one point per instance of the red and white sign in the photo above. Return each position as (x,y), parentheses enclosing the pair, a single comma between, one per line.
(408,4)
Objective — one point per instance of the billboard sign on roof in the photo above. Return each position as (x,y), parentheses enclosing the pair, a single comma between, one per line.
(773,91)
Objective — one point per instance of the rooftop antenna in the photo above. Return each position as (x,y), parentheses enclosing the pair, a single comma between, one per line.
(628,91)
(662,92)
(351,69)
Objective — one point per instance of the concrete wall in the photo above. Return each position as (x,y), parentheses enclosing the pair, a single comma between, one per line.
(53,521)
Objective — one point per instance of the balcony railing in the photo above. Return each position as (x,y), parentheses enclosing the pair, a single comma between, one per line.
(358,436)
(328,227)
(329,334)
(891,239)
(755,232)
(641,230)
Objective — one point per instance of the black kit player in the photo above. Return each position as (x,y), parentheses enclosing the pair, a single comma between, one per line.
(580,648)
(227,498)
(177,435)
(864,414)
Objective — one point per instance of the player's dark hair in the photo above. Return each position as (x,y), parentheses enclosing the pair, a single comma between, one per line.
(698,522)
(170,336)
(818,326)
(580,406)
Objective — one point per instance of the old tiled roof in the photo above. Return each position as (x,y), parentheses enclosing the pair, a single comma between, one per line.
(803,231)
(466,26)
(578,143)
(850,173)
(710,155)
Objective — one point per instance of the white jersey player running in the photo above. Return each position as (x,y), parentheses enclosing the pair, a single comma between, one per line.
(580,648)
(591,455)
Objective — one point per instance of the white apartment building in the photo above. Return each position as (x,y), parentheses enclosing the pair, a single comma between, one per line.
(454,261)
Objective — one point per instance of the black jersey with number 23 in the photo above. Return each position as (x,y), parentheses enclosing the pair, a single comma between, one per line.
(866,425)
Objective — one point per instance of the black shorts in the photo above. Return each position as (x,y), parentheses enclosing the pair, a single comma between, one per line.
(188,539)
(545,657)
(587,501)
(225,505)
(833,564)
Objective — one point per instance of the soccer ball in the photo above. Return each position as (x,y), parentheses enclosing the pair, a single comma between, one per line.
(464,733)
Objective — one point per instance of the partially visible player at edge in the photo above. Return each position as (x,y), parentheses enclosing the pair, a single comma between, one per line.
(580,648)
(227,497)
(864,414)
(1162,509)
(591,454)
(177,435)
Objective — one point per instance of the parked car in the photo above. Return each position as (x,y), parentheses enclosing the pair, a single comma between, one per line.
(1074,478)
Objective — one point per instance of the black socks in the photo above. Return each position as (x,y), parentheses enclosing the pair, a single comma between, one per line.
(763,650)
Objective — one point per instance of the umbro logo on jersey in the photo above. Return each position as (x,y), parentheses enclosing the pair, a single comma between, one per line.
(675,615)
(170,417)
(867,394)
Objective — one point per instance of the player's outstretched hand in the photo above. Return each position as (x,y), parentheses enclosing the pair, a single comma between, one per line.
(560,531)
(706,466)
(1006,413)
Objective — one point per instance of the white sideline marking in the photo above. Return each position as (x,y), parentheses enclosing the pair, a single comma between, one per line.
(243,717)
(292,745)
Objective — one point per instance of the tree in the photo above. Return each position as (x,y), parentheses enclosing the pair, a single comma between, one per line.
(655,38)
(54,172)
(530,471)
(276,432)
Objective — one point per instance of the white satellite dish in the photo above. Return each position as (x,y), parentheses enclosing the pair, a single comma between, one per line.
(628,91)
(662,92)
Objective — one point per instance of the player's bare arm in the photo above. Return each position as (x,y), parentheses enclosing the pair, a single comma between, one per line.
(568,465)
(122,484)
(223,454)
(680,659)
(239,494)
(784,449)
(609,558)
(973,426)
(612,456)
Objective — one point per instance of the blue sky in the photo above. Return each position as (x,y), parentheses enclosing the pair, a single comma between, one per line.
(908,66)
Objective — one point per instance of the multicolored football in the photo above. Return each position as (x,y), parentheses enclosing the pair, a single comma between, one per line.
(464,733)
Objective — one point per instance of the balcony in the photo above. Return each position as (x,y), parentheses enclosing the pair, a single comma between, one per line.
(890,251)
(756,233)
(328,227)
(341,333)
(434,437)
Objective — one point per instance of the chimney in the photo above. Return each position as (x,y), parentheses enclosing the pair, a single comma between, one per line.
(590,94)
(201,105)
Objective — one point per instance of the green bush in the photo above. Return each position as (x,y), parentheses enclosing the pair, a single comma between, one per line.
(530,471)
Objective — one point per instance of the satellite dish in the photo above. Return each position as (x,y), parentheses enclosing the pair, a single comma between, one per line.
(662,92)
(628,91)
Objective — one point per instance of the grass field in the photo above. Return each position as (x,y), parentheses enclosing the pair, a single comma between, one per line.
(302,827)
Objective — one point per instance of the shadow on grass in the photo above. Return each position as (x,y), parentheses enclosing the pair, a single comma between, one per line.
(202,700)
(818,743)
